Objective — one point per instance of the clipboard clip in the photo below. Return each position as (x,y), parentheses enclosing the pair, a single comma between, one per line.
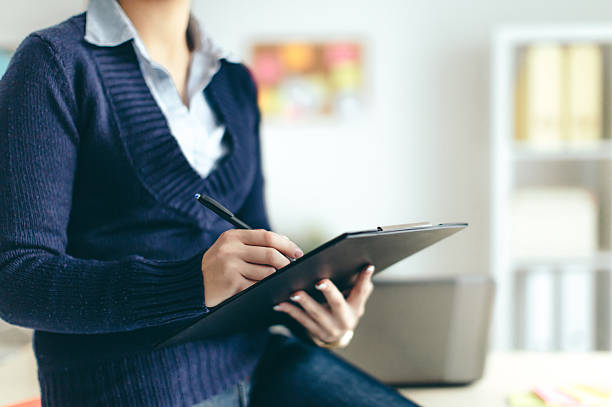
(404,226)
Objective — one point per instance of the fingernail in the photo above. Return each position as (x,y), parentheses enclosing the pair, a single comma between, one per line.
(370,269)
(285,237)
(295,297)
(298,253)
(321,285)
(277,308)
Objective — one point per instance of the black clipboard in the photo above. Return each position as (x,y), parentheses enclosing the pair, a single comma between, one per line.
(340,260)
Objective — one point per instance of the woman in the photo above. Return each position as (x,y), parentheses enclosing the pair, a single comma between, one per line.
(110,122)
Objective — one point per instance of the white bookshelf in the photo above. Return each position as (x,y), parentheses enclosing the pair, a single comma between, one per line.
(601,150)
(509,157)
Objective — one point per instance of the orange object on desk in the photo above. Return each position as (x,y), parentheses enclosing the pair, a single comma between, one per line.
(28,403)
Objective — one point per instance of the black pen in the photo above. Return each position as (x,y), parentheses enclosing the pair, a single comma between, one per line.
(221,210)
(225,213)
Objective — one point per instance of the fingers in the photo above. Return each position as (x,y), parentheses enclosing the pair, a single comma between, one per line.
(361,291)
(337,303)
(256,272)
(237,285)
(300,316)
(265,238)
(239,258)
(243,285)
(332,327)
(329,324)
(263,255)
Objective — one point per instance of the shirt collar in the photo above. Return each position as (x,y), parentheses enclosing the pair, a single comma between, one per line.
(107,25)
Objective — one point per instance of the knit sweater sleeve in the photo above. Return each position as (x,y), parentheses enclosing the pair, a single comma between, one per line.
(41,286)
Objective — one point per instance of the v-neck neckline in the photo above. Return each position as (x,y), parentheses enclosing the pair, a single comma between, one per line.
(153,150)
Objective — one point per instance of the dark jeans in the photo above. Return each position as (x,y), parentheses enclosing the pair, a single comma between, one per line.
(292,373)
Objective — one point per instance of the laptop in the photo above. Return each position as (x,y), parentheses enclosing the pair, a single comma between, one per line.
(425,332)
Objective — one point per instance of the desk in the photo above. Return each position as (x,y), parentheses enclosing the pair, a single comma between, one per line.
(508,373)
(505,373)
(18,379)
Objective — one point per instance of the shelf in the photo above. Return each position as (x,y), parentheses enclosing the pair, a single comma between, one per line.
(599,150)
(568,33)
(597,261)
(516,164)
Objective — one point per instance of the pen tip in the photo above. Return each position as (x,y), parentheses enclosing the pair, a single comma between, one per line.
(196,196)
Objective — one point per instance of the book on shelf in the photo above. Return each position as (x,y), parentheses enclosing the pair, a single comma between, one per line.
(576,309)
(539,329)
(540,82)
(585,92)
(557,309)
(559,94)
(553,222)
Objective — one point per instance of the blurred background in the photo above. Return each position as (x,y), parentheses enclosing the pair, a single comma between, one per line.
(495,113)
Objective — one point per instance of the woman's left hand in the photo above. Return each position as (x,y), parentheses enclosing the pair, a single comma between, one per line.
(330,322)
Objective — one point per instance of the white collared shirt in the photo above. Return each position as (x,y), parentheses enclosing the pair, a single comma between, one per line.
(195,128)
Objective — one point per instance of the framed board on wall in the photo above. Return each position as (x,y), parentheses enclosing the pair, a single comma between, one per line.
(308,79)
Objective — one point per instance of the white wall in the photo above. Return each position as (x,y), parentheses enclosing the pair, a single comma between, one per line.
(421,151)
(18,18)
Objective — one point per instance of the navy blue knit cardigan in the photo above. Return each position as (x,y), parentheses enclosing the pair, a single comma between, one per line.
(101,240)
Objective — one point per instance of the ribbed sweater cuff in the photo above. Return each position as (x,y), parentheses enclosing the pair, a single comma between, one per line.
(165,291)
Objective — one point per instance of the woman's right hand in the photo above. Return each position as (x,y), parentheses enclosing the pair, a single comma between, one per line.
(239,258)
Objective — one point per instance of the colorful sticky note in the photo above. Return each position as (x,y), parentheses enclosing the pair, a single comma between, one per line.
(585,397)
(552,396)
(525,400)
(607,395)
